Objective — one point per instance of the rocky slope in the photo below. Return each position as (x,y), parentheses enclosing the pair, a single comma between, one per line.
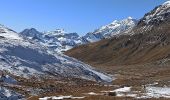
(148,42)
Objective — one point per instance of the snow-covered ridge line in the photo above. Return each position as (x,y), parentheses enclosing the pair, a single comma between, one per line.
(117,27)
(59,40)
(8,33)
(158,14)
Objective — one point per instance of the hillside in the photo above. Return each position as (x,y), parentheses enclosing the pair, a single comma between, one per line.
(148,42)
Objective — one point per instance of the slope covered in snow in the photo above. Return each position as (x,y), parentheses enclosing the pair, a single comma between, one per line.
(28,58)
(8,33)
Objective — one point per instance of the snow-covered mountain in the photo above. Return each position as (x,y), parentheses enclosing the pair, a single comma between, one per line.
(110,30)
(57,40)
(26,58)
(8,33)
(156,17)
(158,14)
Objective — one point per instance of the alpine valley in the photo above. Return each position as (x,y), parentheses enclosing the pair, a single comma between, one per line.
(127,59)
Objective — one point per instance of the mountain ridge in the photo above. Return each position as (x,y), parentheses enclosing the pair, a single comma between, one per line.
(147,43)
(61,41)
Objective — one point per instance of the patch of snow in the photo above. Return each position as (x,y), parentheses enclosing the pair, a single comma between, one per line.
(92,93)
(6,94)
(45,98)
(60,97)
(124,89)
(157,92)
(77,97)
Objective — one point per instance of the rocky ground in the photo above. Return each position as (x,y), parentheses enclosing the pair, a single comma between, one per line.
(132,82)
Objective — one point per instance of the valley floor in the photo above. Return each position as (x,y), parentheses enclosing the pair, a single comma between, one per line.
(133,82)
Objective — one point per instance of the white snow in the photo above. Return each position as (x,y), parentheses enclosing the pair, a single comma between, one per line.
(45,98)
(149,92)
(117,27)
(77,97)
(124,89)
(7,33)
(57,40)
(92,93)
(157,92)
(26,58)
(166,3)
(60,97)
(158,14)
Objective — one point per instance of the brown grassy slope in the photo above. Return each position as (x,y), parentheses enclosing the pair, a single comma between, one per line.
(146,47)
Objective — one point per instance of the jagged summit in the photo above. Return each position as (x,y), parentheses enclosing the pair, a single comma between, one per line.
(159,14)
(57,40)
(117,27)
(167,2)
(31,33)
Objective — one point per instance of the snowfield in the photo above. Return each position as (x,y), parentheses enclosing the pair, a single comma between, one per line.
(23,58)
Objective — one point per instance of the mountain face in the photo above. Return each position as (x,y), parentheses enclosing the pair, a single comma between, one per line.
(22,57)
(57,40)
(115,28)
(157,15)
(32,34)
(158,19)
(148,42)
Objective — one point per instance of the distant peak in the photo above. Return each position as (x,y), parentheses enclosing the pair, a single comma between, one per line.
(1,25)
(60,30)
(166,3)
(115,21)
(130,18)
(33,29)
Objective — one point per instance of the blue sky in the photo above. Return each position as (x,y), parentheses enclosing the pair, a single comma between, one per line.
(79,16)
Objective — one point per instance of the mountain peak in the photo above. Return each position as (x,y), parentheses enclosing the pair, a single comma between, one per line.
(157,15)
(31,33)
(130,18)
(8,33)
(117,27)
(166,3)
